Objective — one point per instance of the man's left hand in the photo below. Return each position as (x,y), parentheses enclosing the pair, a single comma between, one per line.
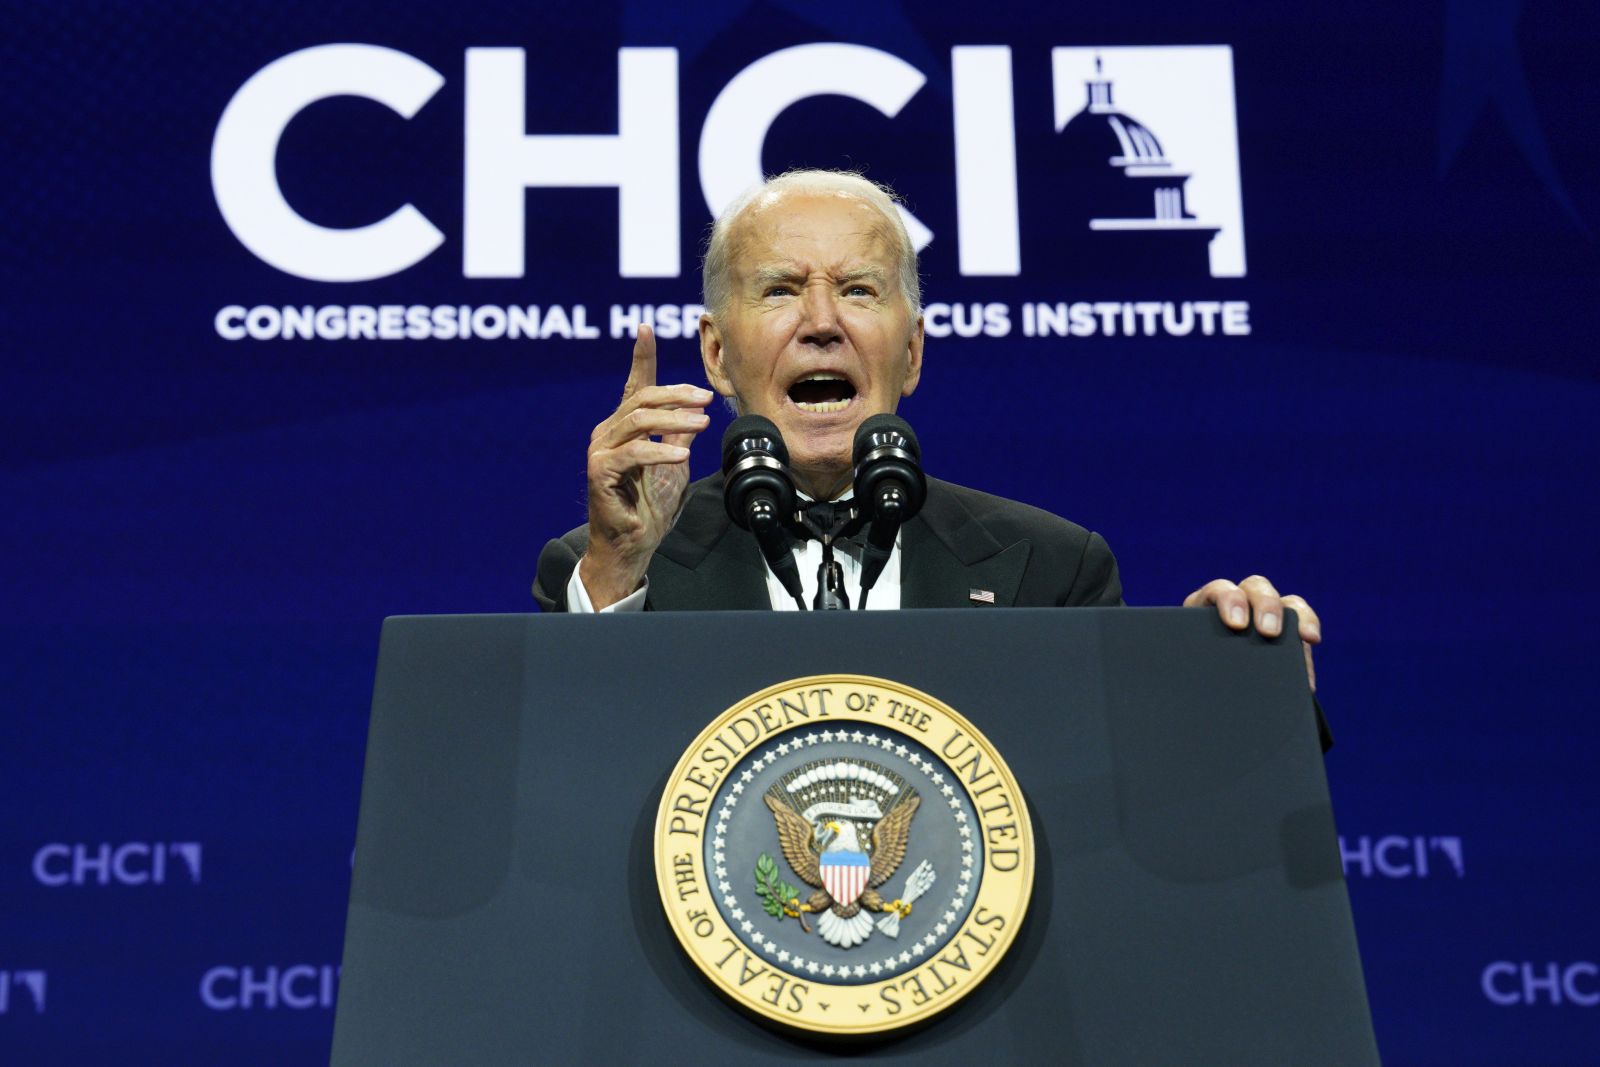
(1255,598)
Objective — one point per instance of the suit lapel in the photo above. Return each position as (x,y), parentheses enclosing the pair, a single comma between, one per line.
(705,563)
(946,553)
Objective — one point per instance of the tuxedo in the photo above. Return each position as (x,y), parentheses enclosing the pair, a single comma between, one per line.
(961,542)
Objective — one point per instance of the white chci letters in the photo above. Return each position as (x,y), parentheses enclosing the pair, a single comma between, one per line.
(501,159)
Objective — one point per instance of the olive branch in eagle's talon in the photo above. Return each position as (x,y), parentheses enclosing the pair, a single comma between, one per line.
(778,898)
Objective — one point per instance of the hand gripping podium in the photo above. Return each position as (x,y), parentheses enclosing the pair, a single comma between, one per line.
(1187,902)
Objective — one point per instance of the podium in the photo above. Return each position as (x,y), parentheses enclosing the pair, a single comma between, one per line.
(1188,904)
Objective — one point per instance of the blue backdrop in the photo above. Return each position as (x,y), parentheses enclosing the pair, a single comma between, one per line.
(1385,213)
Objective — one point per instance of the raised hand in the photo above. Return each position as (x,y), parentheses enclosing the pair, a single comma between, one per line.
(636,483)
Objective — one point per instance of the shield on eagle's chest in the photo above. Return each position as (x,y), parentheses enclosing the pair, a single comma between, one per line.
(844,874)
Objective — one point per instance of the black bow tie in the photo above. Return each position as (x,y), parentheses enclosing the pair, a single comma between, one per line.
(830,517)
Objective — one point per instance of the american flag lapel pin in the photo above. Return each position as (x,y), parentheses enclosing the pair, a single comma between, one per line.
(981,596)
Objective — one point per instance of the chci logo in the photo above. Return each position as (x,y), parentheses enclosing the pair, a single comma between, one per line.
(30,982)
(843,854)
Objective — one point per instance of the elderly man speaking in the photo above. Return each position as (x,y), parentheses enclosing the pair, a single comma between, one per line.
(814,321)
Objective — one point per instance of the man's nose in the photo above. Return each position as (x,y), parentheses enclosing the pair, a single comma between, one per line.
(821,310)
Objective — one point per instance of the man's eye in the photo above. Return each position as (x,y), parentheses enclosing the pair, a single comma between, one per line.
(858,290)
(779,290)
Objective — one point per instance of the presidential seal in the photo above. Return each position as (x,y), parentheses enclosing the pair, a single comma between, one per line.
(843,854)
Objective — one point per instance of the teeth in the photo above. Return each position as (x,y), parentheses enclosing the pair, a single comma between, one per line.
(823,407)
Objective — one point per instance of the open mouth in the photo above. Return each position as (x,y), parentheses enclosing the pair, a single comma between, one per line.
(822,393)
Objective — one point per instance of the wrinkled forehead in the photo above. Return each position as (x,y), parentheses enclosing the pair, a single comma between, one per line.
(817,231)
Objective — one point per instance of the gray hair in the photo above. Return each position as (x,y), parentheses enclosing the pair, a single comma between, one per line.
(717,286)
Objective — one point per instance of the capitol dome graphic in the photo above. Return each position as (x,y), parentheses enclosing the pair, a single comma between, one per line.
(1126,209)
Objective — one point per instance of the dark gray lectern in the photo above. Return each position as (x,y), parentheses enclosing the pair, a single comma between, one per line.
(1188,906)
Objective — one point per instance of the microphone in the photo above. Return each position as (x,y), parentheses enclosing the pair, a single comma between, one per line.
(890,488)
(758,492)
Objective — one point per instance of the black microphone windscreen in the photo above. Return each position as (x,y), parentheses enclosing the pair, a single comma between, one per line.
(881,424)
(744,428)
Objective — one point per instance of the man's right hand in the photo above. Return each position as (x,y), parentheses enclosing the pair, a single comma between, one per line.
(636,484)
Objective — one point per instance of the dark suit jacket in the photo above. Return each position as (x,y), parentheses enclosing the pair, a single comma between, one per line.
(961,540)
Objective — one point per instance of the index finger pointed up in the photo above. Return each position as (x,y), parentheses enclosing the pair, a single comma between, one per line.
(643,372)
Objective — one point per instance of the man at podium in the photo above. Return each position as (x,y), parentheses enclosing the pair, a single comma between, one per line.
(813,320)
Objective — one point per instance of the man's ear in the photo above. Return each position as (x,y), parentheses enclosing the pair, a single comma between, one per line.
(711,356)
(913,360)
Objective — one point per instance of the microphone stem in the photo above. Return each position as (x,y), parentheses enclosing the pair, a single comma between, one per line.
(831,594)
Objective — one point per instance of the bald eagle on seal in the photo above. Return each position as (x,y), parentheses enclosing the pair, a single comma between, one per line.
(844,877)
